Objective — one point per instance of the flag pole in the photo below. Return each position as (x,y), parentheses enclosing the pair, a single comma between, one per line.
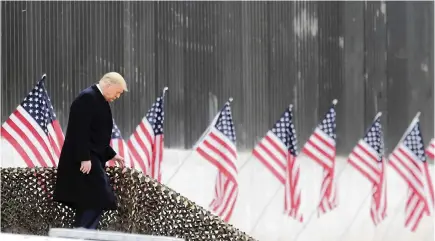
(263,211)
(413,122)
(179,167)
(196,144)
(356,215)
(396,211)
(246,162)
(379,114)
(48,106)
(314,211)
(164,91)
(334,102)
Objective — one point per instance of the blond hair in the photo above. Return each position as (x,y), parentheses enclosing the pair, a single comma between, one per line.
(113,78)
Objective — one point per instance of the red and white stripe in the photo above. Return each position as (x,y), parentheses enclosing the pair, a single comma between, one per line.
(121,148)
(157,158)
(378,209)
(272,152)
(56,138)
(292,192)
(321,148)
(416,207)
(428,188)
(226,192)
(366,160)
(147,149)
(416,175)
(222,153)
(30,141)
(430,149)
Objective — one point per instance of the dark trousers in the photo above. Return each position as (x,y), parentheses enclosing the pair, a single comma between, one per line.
(87,218)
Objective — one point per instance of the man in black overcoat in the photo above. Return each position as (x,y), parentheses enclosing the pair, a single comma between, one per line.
(82,182)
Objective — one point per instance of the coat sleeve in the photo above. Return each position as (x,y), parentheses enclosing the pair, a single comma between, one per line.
(80,120)
(110,153)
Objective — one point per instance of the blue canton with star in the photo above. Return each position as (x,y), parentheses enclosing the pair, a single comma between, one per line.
(225,123)
(38,105)
(328,123)
(414,142)
(285,130)
(374,137)
(156,116)
(116,134)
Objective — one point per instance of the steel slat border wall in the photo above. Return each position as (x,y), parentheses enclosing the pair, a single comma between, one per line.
(373,56)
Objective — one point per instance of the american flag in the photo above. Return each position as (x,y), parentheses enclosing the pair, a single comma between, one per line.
(219,148)
(320,147)
(292,192)
(146,143)
(368,158)
(409,160)
(33,131)
(273,149)
(277,151)
(120,147)
(430,150)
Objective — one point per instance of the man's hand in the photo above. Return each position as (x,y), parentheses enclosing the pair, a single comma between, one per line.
(86,167)
(120,160)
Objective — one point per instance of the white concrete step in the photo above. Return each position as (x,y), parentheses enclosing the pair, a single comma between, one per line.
(24,237)
(85,234)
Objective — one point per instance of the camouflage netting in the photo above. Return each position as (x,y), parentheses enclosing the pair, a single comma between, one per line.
(144,207)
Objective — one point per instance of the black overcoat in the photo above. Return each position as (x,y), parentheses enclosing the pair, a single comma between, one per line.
(87,138)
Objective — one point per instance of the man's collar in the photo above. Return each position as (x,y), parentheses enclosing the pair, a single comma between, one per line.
(99,88)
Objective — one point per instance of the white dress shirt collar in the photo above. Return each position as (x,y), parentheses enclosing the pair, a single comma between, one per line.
(99,88)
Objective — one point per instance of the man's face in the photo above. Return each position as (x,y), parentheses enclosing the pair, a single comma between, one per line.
(113,92)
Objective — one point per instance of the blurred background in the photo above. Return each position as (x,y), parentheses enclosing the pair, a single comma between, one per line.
(371,56)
